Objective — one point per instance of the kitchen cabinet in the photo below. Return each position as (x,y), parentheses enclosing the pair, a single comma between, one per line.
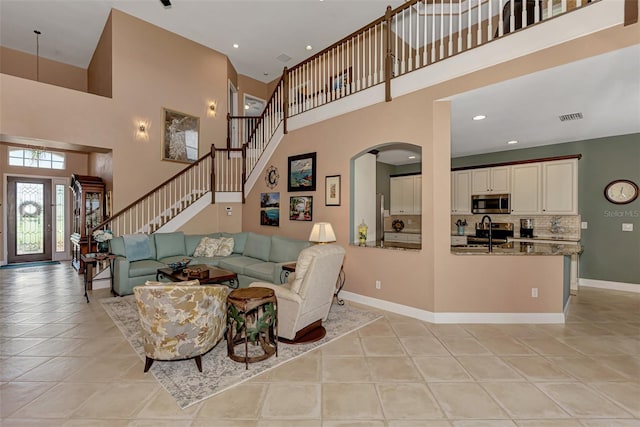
(406,195)
(526,194)
(491,180)
(461,192)
(560,187)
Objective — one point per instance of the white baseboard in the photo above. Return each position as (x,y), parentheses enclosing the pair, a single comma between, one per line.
(431,317)
(605,284)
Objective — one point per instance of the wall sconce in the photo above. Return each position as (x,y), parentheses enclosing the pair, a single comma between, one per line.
(142,130)
(211,109)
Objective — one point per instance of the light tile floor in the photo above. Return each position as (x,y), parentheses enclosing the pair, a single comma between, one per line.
(64,363)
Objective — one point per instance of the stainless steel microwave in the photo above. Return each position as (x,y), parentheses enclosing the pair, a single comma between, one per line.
(491,204)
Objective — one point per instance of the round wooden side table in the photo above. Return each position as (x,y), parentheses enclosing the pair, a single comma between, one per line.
(252,317)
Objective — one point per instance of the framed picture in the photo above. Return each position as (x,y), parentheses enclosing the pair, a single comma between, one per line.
(332,190)
(270,209)
(300,208)
(302,172)
(179,136)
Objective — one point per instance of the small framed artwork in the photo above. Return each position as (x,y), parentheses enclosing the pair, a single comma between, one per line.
(300,208)
(180,134)
(302,172)
(332,190)
(270,209)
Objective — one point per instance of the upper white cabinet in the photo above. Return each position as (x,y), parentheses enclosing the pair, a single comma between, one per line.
(491,180)
(525,189)
(560,187)
(406,195)
(461,192)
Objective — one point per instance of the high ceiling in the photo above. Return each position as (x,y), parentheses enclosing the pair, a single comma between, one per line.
(605,89)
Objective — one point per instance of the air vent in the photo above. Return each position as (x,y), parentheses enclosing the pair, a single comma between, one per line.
(283,57)
(572,116)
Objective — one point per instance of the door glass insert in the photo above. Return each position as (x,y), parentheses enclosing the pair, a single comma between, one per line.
(60,217)
(29,218)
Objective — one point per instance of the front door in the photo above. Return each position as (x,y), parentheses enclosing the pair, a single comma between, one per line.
(29,219)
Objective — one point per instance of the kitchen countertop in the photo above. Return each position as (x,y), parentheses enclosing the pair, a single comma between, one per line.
(399,246)
(521,248)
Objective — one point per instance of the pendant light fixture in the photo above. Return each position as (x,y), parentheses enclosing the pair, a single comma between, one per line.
(37,54)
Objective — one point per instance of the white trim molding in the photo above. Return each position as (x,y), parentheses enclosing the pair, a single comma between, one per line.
(431,317)
(605,284)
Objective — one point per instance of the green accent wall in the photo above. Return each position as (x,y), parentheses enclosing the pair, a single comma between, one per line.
(609,253)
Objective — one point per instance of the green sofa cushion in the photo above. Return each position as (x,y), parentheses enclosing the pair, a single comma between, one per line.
(283,249)
(261,271)
(170,244)
(257,246)
(237,264)
(144,268)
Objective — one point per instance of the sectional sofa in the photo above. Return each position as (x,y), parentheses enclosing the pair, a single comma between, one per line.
(254,257)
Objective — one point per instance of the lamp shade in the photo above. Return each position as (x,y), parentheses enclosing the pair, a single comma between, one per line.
(322,232)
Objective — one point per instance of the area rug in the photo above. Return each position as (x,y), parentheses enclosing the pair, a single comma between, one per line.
(188,386)
(29,264)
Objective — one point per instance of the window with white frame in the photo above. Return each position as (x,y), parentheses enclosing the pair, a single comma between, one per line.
(35,158)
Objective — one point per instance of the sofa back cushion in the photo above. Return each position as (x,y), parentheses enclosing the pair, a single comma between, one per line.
(170,244)
(257,246)
(239,241)
(138,247)
(116,246)
(283,249)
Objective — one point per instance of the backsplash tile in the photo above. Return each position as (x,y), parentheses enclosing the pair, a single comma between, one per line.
(568,226)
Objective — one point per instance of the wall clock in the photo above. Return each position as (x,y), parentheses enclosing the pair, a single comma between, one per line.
(271,176)
(621,191)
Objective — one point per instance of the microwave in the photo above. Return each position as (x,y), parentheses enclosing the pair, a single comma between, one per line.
(491,204)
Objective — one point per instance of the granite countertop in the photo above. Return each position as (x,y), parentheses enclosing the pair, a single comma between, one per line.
(401,246)
(558,238)
(520,248)
(405,231)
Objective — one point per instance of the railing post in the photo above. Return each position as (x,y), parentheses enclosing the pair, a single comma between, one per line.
(388,60)
(229,127)
(630,12)
(244,169)
(285,98)
(213,172)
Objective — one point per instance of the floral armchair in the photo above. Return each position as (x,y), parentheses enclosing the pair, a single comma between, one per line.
(180,320)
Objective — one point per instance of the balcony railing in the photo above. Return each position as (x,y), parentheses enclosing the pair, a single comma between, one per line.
(407,38)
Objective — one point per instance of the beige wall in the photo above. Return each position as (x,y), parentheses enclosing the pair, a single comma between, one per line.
(215,218)
(22,64)
(152,69)
(431,279)
(99,73)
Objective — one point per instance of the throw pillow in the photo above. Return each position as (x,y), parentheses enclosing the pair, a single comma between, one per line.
(207,247)
(225,248)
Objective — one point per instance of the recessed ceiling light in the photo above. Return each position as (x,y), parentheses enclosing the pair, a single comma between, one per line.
(513,141)
(412,157)
(235,45)
(479,117)
(309,47)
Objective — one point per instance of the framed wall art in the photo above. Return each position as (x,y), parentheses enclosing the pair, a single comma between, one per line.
(180,133)
(332,190)
(270,209)
(302,172)
(300,208)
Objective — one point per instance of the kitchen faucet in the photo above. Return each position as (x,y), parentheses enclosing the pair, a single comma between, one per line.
(488,218)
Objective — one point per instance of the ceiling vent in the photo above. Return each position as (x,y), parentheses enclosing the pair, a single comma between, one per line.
(283,57)
(568,117)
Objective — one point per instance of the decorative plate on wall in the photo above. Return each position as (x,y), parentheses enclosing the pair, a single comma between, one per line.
(271,176)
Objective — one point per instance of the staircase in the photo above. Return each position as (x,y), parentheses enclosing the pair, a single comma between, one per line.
(406,39)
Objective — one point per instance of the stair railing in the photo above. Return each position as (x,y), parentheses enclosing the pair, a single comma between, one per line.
(158,206)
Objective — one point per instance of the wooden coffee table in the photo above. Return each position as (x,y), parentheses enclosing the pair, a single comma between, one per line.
(216,276)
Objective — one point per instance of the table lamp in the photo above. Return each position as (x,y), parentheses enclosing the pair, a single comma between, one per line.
(322,233)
